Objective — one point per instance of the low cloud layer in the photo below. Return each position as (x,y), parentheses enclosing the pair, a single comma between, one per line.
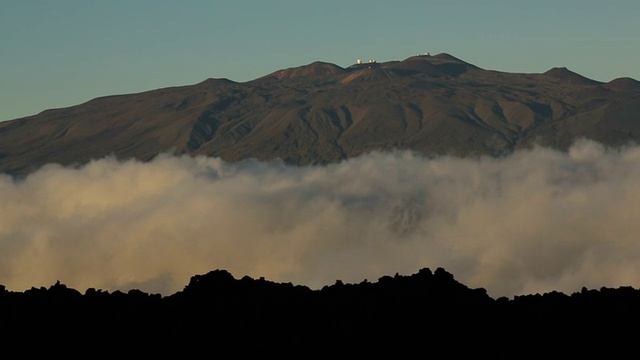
(535,221)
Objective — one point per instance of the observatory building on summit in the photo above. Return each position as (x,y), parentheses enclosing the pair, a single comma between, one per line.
(359,64)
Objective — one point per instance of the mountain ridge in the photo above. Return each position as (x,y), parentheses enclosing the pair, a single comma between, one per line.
(321,113)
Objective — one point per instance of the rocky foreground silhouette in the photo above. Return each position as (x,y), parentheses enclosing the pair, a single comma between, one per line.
(429,312)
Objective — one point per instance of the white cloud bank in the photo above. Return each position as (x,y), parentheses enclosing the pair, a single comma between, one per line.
(535,221)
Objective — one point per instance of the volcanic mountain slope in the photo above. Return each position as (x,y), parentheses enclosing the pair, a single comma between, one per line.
(321,113)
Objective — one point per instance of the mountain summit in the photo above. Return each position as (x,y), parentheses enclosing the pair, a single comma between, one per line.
(321,113)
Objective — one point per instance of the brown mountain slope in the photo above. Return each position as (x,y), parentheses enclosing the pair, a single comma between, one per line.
(315,69)
(320,113)
(567,76)
(624,84)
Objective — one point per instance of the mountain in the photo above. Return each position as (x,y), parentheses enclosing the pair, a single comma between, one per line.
(321,113)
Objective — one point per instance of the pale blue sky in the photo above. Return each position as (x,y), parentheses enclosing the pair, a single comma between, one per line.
(65,52)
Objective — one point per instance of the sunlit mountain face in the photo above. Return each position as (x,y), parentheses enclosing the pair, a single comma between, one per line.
(322,113)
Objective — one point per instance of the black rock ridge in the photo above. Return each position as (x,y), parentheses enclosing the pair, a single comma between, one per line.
(427,312)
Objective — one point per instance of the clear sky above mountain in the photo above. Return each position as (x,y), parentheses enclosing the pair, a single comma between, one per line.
(65,52)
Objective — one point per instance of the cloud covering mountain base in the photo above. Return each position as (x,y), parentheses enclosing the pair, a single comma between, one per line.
(535,221)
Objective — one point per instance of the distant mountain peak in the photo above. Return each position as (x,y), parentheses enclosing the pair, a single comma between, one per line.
(418,64)
(559,71)
(446,56)
(566,75)
(314,69)
(321,112)
(623,83)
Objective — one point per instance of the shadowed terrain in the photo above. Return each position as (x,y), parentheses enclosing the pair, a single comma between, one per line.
(425,311)
(321,113)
